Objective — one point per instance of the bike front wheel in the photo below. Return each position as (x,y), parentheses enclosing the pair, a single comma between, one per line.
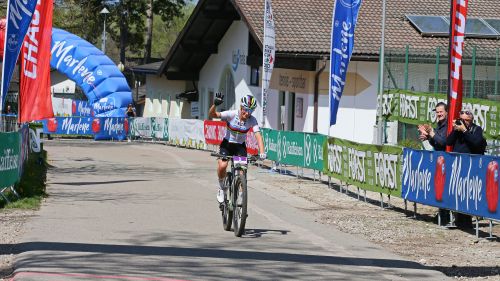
(240,197)
(227,210)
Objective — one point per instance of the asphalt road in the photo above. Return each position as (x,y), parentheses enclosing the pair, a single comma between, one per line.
(137,211)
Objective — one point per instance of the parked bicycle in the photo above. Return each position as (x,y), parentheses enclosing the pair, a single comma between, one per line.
(234,206)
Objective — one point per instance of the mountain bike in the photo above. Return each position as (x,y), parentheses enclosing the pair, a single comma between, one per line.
(234,207)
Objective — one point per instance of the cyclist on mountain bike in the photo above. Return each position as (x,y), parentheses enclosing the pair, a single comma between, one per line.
(238,123)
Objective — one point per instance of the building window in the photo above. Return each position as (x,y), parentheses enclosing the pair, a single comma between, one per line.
(254,76)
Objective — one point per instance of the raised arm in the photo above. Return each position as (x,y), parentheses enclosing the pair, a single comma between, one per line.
(219,99)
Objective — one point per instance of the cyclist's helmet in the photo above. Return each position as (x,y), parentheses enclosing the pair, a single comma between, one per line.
(249,102)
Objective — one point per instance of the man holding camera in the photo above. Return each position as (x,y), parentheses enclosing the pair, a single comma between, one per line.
(466,137)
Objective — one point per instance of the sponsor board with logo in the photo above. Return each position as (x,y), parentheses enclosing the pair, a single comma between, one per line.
(371,167)
(214,132)
(461,182)
(417,108)
(9,158)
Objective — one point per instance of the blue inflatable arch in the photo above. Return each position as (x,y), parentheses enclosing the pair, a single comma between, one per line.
(100,79)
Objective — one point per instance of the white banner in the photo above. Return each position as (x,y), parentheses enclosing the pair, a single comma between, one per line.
(187,132)
(62,107)
(268,52)
(140,127)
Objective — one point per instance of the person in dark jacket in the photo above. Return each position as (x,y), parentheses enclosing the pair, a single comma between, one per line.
(437,136)
(466,137)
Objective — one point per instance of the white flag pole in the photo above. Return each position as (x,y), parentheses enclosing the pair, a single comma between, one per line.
(380,128)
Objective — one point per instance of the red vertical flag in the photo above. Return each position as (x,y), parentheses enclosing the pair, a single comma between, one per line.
(457,35)
(34,93)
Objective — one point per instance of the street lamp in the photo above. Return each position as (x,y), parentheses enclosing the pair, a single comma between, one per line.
(121,67)
(105,12)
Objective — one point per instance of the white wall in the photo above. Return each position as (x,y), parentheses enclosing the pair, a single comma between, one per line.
(236,38)
(357,114)
(61,84)
(159,91)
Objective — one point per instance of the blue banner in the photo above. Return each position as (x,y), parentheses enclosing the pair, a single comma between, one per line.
(110,128)
(97,75)
(68,126)
(102,128)
(82,109)
(19,15)
(345,15)
(460,182)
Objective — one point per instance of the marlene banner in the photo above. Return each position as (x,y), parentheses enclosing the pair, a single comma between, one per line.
(102,128)
(345,15)
(81,108)
(417,108)
(9,158)
(19,15)
(106,128)
(370,167)
(464,183)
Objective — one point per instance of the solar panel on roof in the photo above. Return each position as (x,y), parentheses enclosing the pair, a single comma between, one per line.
(440,26)
(495,23)
(430,25)
(475,28)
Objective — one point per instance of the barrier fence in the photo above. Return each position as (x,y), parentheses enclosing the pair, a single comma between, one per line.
(416,108)
(15,148)
(458,182)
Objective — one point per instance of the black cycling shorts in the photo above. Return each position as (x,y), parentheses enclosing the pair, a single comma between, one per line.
(233,149)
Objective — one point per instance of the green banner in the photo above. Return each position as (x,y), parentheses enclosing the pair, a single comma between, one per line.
(295,148)
(416,108)
(9,158)
(371,167)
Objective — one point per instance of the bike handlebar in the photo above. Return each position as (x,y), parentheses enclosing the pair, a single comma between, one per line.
(251,158)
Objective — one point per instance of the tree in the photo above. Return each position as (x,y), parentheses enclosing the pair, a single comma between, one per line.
(168,10)
(126,23)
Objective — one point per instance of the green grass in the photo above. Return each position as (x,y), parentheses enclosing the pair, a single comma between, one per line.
(32,203)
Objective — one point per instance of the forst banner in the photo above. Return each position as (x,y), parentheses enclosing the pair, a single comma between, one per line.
(102,128)
(462,182)
(417,108)
(9,158)
(294,148)
(371,167)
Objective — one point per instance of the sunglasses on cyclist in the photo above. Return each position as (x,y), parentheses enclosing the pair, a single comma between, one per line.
(249,111)
(466,112)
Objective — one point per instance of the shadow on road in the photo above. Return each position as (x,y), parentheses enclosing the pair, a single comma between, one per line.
(211,253)
(81,183)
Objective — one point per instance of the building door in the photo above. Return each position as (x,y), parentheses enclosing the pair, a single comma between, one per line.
(290,112)
(281,111)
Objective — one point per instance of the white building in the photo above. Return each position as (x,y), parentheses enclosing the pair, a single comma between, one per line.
(220,50)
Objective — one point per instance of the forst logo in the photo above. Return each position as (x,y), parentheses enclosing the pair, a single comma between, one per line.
(492,186)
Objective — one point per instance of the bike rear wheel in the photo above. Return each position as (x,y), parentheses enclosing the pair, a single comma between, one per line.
(240,210)
(227,210)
